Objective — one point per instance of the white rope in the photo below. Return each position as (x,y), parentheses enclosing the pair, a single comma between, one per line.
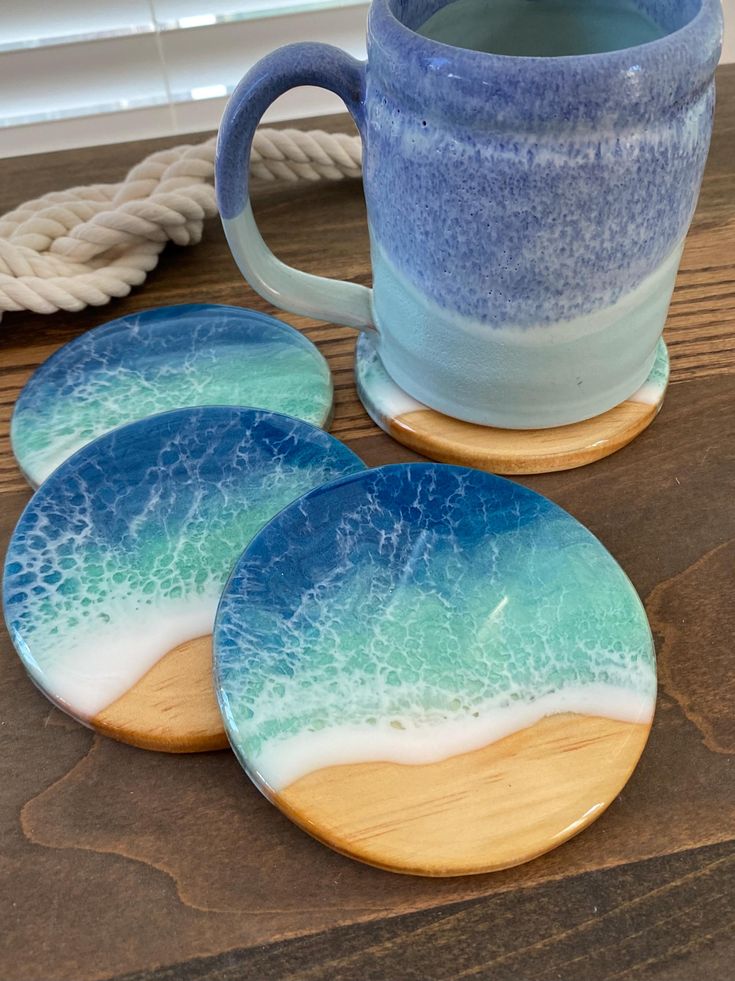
(81,247)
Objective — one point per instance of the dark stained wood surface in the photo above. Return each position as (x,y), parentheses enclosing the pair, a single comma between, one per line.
(120,863)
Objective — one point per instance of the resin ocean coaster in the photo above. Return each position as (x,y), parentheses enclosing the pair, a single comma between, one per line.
(434,670)
(508,451)
(161,359)
(116,566)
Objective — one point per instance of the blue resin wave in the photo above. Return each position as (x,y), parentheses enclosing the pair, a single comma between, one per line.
(415,612)
(122,554)
(161,359)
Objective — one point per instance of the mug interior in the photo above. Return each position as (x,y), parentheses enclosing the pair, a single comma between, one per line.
(668,15)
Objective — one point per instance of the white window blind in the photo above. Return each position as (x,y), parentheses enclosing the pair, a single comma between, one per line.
(79,72)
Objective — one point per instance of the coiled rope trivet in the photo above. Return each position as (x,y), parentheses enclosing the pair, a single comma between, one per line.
(83,246)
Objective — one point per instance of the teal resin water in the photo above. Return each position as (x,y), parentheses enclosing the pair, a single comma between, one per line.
(541,28)
(417,611)
(162,359)
(122,554)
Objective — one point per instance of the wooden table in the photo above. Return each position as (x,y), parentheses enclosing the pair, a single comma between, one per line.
(118,863)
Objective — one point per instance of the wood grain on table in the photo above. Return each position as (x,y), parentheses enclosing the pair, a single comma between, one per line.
(125,864)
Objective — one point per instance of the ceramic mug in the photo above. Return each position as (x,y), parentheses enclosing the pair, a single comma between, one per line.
(527,215)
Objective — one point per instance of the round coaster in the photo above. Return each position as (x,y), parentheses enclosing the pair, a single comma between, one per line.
(508,451)
(434,670)
(165,358)
(116,566)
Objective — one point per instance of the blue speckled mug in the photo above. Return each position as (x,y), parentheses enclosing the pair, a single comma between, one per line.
(527,215)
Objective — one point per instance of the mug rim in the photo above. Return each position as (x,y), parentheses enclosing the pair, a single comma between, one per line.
(711,9)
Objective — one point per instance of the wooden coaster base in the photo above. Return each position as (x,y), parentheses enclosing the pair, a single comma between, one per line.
(504,451)
(173,708)
(507,803)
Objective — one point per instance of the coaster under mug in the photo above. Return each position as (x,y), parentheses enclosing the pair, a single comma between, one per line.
(116,566)
(434,670)
(504,451)
(161,359)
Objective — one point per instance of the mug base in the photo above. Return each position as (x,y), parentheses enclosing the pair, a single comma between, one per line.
(504,451)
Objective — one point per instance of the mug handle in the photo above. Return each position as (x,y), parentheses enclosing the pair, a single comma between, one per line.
(304,63)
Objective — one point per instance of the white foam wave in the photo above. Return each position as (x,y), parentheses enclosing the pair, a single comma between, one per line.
(109,659)
(281,762)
